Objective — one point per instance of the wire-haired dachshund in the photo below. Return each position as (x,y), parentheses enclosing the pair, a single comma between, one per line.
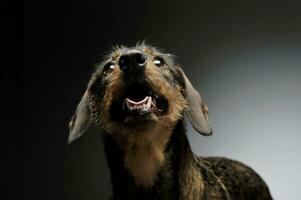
(139,97)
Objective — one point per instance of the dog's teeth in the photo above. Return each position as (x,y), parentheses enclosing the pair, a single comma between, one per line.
(128,105)
(149,103)
(144,105)
(154,103)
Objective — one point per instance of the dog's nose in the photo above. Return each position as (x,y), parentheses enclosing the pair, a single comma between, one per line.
(132,61)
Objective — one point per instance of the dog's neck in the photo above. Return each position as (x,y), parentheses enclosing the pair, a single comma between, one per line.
(148,174)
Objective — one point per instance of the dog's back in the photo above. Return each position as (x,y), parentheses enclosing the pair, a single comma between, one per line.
(236,179)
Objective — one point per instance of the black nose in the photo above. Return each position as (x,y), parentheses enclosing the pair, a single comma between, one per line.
(133,61)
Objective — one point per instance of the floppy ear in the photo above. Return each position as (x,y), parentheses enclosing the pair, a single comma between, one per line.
(81,119)
(198,111)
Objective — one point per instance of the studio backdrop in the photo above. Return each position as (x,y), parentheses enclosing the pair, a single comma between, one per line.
(244,57)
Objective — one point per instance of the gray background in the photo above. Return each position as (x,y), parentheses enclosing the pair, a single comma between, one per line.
(243,56)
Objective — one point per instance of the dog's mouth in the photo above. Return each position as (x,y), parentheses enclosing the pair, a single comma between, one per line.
(138,103)
(145,105)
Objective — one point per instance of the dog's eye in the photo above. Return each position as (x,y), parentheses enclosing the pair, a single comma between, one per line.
(159,62)
(108,68)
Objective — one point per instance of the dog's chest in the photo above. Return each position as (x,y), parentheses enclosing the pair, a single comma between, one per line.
(143,163)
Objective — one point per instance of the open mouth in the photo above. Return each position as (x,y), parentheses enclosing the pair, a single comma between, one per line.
(144,105)
(139,102)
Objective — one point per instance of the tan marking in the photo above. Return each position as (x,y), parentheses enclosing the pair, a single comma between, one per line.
(148,51)
(116,54)
(115,85)
(144,154)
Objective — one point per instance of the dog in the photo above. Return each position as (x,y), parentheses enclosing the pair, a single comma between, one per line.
(139,97)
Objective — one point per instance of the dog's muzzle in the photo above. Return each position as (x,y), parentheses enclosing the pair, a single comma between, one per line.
(138,101)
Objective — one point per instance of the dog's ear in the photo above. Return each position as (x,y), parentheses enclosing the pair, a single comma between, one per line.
(197,112)
(81,119)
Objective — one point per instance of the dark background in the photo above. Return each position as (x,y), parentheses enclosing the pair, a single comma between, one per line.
(245,57)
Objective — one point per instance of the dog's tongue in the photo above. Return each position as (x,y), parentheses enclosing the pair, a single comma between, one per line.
(143,105)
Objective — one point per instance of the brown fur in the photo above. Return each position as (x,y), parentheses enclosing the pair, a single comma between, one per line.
(144,153)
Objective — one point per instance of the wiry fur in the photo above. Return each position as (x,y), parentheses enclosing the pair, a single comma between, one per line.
(153,160)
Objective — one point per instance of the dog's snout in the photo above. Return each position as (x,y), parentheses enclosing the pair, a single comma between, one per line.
(132,61)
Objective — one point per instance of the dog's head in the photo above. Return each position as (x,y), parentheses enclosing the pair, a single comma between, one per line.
(135,90)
